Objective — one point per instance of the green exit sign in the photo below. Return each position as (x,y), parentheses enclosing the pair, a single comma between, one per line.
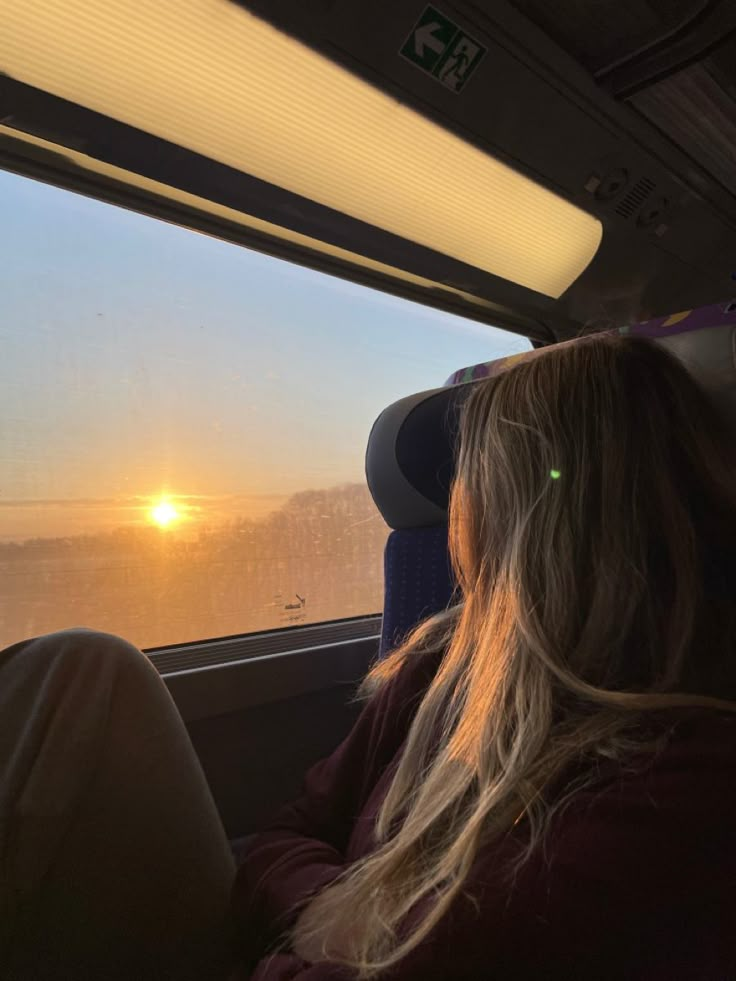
(439,47)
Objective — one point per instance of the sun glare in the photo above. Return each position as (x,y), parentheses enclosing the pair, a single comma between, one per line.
(164,513)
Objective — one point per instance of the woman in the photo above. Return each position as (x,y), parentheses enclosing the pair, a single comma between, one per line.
(542,784)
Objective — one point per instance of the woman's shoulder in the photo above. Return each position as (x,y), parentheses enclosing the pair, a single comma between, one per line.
(699,742)
(402,683)
(686,777)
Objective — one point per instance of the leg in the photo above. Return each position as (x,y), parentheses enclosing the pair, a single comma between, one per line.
(113,861)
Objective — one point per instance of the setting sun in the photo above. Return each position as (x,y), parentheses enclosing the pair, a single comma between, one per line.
(164,513)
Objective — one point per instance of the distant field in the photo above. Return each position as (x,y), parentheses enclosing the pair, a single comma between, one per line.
(319,557)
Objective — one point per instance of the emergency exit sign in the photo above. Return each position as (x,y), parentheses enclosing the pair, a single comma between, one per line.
(439,47)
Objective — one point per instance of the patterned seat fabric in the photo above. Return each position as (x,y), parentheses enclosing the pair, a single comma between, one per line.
(661,328)
(418,581)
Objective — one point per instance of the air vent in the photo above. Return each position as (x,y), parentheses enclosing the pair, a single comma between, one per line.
(636,197)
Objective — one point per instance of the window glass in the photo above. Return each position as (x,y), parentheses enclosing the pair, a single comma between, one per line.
(184,424)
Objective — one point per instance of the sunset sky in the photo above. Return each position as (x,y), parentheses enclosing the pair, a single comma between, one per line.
(139,359)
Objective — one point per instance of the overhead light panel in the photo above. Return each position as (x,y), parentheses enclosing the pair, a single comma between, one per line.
(257,225)
(209,76)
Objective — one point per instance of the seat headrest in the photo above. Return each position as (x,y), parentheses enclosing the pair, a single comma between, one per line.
(409,462)
(411,448)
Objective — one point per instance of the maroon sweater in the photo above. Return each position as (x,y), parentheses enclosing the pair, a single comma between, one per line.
(637,881)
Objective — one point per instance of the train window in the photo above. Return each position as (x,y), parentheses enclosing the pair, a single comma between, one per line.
(184,424)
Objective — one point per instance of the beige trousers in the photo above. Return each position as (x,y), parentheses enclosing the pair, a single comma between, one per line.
(113,860)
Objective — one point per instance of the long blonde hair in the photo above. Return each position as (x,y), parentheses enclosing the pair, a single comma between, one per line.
(595,492)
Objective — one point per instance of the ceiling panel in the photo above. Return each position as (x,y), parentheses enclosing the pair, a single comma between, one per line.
(600,33)
(696,109)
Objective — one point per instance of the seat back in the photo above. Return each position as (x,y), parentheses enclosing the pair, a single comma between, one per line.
(410,459)
(418,580)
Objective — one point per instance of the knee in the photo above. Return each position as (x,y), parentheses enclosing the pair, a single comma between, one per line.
(87,643)
(83,651)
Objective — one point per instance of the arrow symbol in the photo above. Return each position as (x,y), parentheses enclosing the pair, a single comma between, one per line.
(424,37)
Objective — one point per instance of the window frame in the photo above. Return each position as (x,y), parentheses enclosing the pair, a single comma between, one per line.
(170,659)
(177,661)
(255,669)
(40,114)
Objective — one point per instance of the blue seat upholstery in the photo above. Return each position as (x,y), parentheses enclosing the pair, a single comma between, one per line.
(409,467)
(418,581)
